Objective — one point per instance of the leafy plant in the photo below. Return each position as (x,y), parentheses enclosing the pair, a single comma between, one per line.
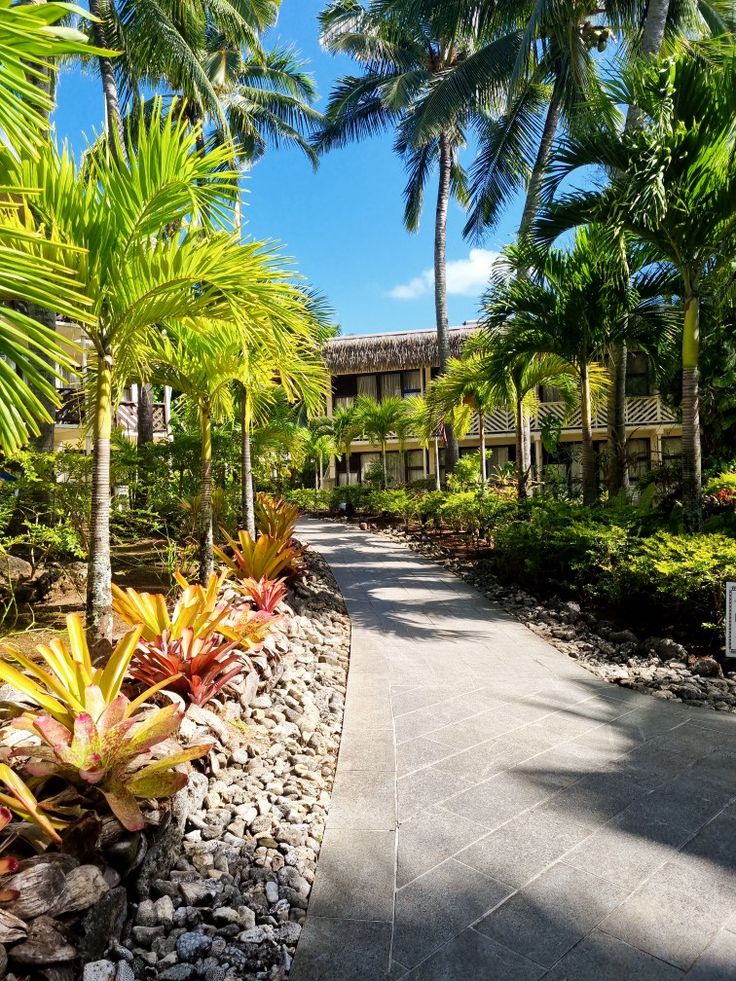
(20,801)
(8,864)
(109,748)
(265,558)
(61,685)
(201,665)
(266,594)
(275,517)
(197,609)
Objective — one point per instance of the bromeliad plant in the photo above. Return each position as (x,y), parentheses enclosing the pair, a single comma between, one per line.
(197,609)
(265,558)
(265,594)
(92,735)
(275,517)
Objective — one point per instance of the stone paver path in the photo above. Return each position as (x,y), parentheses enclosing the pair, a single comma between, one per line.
(499,813)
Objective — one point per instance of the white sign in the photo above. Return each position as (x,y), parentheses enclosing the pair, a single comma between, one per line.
(731,619)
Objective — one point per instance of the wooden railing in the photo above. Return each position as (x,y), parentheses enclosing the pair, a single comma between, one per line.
(71,412)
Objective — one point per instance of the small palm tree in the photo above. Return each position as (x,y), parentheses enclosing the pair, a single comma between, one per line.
(344,428)
(673,189)
(136,277)
(379,420)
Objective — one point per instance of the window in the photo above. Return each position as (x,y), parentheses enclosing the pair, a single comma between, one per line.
(671,448)
(390,384)
(637,457)
(551,394)
(344,391)
(414,466)
(637,373)
(411,383)
(368,385)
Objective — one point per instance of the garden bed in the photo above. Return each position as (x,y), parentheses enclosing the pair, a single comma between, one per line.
(217,886)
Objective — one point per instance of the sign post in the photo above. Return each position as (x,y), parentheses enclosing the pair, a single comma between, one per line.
(731,619)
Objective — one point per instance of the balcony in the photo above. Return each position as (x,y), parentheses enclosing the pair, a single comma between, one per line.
(644,410)
(71,413)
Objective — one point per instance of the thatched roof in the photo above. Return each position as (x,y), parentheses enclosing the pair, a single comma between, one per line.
(357,353)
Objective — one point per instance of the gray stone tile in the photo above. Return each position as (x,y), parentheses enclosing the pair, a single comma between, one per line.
(363,800)
(685,801)
(555,911)
(355,875)
(597,798)
(673,916)
(495,755)
(418,753)
(628,849)
(422,789)
(525,846)
(477,729)
(429,838)
(365,710)
(712,852)
(367,749)
(438,905)
(334,950)
(718,960)
(602,958)
(502,797)
(471,955)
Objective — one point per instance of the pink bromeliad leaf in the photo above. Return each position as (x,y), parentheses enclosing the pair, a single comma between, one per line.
(56,735)
(125,807)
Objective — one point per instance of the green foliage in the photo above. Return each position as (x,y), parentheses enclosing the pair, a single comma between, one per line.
(466,473)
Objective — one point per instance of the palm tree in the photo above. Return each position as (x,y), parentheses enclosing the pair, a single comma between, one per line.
(672,187)
(465,382)
(136,278)
(34,272)
(401,59)
(343,429)
(378,420)
(572,304)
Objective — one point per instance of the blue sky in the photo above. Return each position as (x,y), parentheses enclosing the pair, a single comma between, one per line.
(343,223)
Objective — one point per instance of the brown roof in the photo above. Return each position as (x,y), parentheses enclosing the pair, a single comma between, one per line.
(356,353)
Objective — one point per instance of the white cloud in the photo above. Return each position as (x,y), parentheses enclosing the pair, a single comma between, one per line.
(465,277)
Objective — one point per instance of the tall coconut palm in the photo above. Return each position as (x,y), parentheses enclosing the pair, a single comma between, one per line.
(568,303)
(401,61)
(672,187)
(135,277)
(380,420)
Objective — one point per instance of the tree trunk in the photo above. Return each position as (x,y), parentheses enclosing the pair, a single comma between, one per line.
(206,551)
(316,475)
(521,473)
(482,435)
(618,471)
(145,415)
(45,439)
(440,281)
(247,497)
(588,461)
(114,118)
(691,462)
(437,481)
(99,573)
(541,162)
(385,470)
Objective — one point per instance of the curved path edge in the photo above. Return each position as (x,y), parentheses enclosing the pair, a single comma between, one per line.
(499,812)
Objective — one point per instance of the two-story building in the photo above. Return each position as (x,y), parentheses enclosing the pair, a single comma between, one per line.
(70,429)
(404,363)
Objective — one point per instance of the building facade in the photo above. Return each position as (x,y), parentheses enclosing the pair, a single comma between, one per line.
(71,429)
(404,363)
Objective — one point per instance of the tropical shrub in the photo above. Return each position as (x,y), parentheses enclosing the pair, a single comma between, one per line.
(393,504)
(309,499)
(197,609)
(265,594)
(275,517)
(265,558)
(466,473)
(195,667)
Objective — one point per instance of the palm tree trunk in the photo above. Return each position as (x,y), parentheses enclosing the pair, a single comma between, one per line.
(691,461)
(482,435)
(521,482)
(437,481)
(385,471)
(45,439)
(440,280)
(206,551)
(541,162)
(145,415)
(114,118)
(99,572)
(247,498)
(316,475)
(618,471)
(589,489)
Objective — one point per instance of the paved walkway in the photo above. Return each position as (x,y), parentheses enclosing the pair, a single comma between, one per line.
(499,813)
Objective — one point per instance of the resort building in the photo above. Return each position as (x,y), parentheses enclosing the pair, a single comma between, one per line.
(404,363)
(70,429)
